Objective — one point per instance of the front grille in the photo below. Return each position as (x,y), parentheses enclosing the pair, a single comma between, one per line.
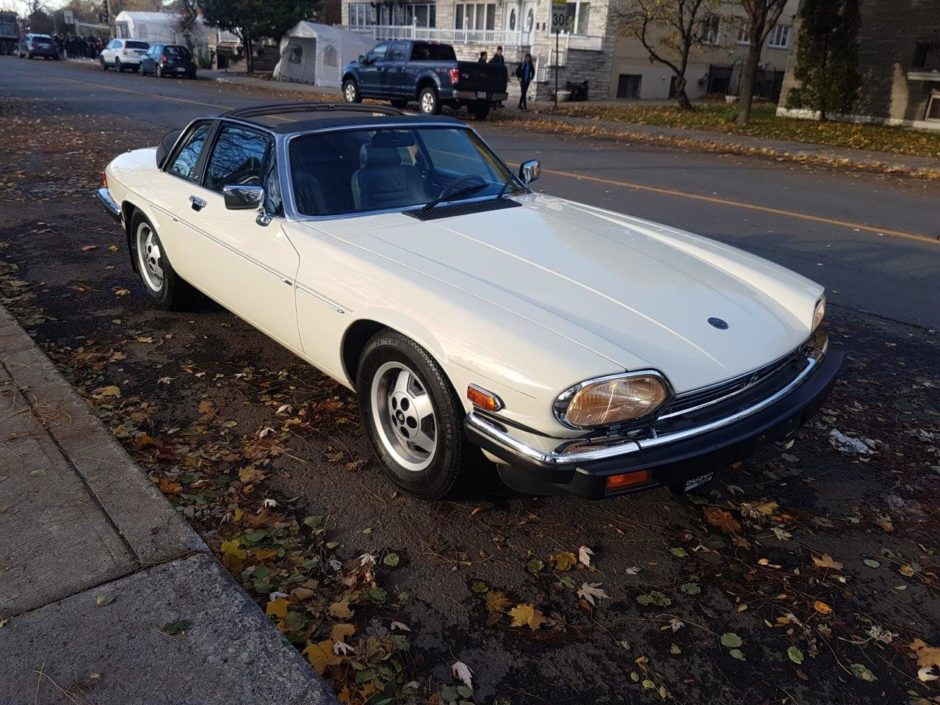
(700,398)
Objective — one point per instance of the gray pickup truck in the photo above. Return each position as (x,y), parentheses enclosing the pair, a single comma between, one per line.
(427,72)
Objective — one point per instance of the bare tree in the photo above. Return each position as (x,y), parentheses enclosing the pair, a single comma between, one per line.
(761,17)
(668,30)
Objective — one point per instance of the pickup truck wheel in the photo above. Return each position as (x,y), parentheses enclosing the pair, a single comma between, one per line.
(351,91)
(411,415)
(428,101)
(480,109)
(161,283)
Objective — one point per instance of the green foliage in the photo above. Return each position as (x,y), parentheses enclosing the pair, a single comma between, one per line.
(827,57)
(254,19)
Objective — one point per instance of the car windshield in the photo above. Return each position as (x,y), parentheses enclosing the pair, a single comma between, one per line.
(357,171)
(138,45)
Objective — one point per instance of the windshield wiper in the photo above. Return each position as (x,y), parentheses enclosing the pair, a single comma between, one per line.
(445,196)
(506,185)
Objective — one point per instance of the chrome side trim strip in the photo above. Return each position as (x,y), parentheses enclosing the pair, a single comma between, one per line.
(629,447)
(322,299)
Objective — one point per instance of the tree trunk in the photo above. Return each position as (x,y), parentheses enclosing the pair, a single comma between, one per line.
(748,76)
(682,96)
(249,55)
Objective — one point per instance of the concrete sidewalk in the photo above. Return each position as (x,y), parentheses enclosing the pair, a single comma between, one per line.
(106,594)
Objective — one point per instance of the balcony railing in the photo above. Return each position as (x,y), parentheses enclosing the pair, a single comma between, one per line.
(488,37)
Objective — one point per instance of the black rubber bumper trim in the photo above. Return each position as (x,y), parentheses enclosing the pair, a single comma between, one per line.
(672,464)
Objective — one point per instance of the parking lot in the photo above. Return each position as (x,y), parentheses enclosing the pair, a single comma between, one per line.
(802,576)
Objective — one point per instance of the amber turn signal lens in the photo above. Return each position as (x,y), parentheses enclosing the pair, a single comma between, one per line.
(627,479)
(104,179)
(483,399)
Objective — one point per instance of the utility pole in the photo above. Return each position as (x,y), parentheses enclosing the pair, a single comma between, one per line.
(559,20)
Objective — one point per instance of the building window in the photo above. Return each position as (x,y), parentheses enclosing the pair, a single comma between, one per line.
(933,108)
(579,17)
(628,85)
(421,14)
(361,14)
(742,35)
(479,16)
(780,37)
(711,30)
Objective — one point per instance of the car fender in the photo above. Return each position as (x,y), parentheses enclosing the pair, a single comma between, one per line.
(404,324)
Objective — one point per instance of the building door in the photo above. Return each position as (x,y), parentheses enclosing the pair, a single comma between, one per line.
(628,85)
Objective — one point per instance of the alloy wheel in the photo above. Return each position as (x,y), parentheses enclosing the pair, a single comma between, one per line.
(149,257)
(404,416)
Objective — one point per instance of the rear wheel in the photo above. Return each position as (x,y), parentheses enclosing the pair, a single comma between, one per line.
(411,415)
(159,71)
(428,101)
(160,280)
(351,91)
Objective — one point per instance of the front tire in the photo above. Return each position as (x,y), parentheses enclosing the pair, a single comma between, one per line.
(351,91)
(412,417)
(104,64)
(161,282)
(117,65)
(428,101)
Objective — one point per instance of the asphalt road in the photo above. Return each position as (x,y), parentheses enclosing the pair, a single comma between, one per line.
(203,400)
(855,233)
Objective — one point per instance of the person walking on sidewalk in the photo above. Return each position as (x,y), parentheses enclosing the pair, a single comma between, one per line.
(498,59)
(525,72)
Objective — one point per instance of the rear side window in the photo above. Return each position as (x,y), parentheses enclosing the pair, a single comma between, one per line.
(187,158)
(42,40)
(238,158)
(425,51)
(137,45)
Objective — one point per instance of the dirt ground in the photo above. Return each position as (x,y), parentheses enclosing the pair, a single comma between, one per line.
(807,575)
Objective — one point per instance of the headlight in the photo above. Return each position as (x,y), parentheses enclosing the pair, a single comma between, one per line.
(819,313)
(613,399)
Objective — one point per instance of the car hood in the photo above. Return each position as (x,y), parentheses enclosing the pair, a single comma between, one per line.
(637,293)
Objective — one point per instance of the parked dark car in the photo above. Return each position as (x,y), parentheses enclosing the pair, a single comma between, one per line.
(403,71)
(34,45)
(168,60)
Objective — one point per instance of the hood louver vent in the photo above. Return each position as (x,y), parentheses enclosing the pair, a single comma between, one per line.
(465,208)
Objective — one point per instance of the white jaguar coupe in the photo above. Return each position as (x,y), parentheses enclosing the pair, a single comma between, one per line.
(582,350)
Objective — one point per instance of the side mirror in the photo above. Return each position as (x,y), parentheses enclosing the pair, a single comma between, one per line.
(530,171)
(362,59)
(242,198)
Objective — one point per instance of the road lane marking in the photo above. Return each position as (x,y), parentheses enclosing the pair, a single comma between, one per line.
(717,200)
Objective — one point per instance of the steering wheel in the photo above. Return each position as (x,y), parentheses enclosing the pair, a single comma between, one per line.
(452,187)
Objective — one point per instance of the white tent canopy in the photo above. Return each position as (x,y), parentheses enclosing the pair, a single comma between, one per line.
(316,53)
(158,28)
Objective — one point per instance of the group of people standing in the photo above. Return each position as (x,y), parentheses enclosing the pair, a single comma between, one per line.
(525,72)
(73,46)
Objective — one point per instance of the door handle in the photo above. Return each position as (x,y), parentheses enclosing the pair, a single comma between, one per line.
(197,203)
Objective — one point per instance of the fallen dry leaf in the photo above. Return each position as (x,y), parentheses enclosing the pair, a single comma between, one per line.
(462,673)
(342,632)
(341,610)
(722,519)
(826,562)
(584,556)
(563,560)
(496,601)
(592,591)
(321,656)
(927,656)
(822,607)
(526,614)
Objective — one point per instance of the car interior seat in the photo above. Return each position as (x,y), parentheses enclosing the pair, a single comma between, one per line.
(382,181)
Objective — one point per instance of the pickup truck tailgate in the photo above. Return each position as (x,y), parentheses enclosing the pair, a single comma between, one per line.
(481,77)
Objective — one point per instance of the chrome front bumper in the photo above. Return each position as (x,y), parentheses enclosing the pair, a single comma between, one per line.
(581,466)
(110,205)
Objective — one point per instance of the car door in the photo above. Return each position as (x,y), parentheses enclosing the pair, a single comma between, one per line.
(148,62)
(245,263)
(370,82)
(392,72)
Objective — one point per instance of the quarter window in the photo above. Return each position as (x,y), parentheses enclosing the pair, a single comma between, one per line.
(237,158)
(187,158)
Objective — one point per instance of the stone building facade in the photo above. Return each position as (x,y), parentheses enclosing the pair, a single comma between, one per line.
(592,49)
(899,62)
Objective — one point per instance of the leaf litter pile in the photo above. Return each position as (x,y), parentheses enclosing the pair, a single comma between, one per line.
(807,575)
